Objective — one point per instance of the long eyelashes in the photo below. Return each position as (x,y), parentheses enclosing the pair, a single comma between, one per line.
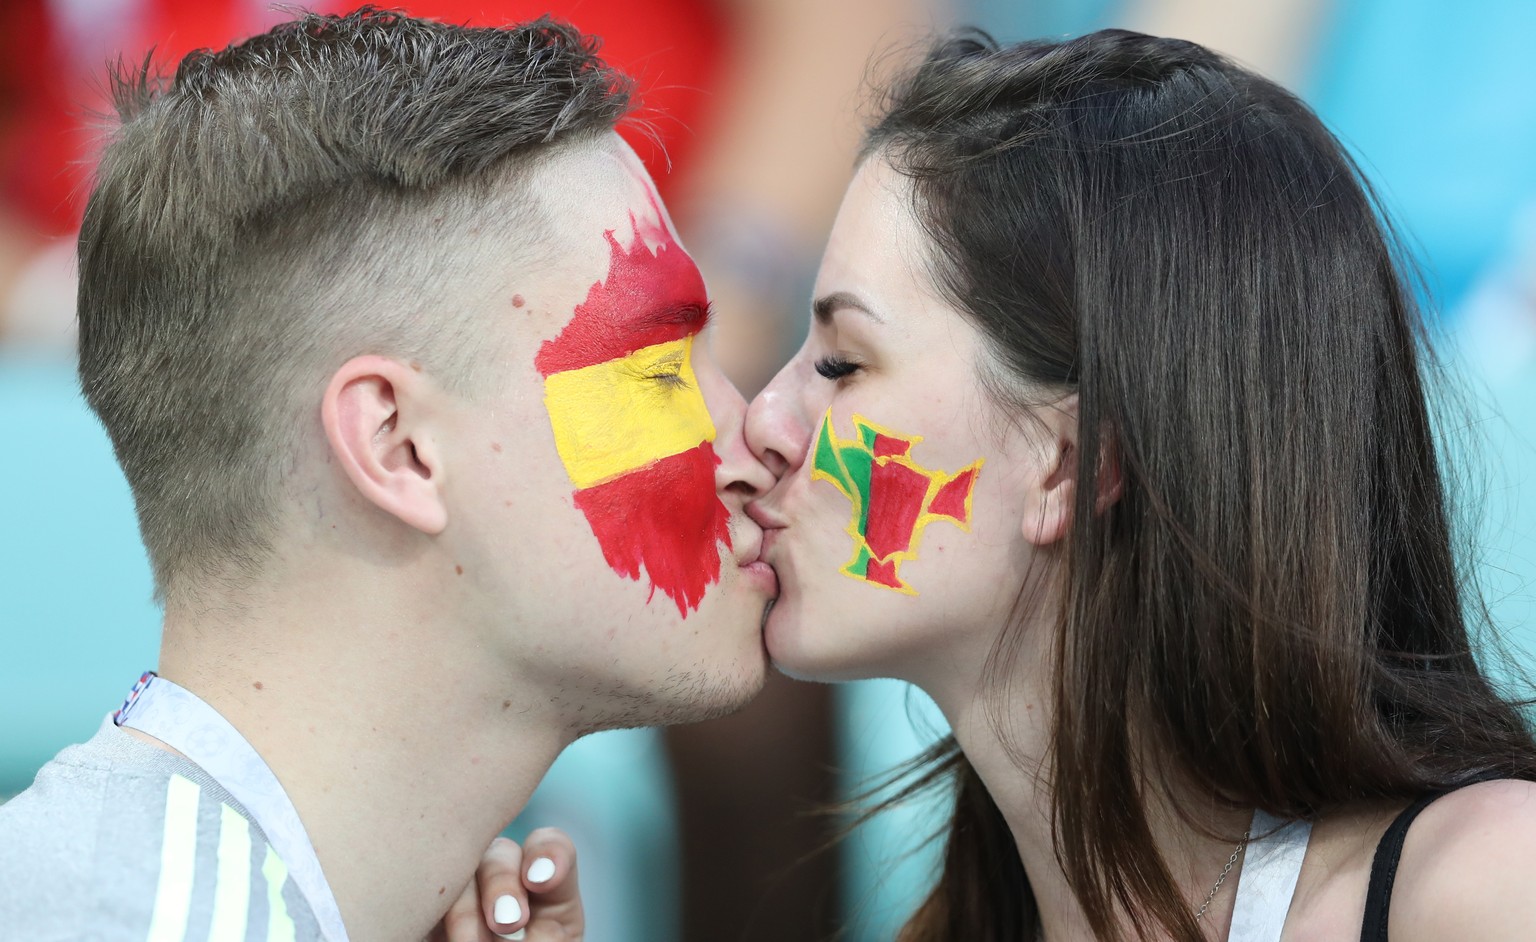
(835,366)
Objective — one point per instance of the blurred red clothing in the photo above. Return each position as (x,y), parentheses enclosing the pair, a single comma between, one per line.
(53,56)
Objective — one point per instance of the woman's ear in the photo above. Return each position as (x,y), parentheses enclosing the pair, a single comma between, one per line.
(378,427)
(1053,482)
(1048,508)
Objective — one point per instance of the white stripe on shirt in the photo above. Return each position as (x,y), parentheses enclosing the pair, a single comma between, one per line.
(279,923)
(232,892)
(178,862)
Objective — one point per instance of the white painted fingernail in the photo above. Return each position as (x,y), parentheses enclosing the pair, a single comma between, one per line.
(519,934)
(541,870)
(507,911)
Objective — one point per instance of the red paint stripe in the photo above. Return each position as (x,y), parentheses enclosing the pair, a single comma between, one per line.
(665,519)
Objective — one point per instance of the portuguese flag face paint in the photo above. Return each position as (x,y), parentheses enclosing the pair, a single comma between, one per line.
(893,497)
(630,423)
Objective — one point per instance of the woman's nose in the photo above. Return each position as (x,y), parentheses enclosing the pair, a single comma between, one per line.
(779,426)
(739,471)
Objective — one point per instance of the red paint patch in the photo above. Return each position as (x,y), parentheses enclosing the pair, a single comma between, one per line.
(517,300)
(896,495)
(647,298)
(883,573)
(258,685)
(886,445)
(950,500)
(666,519)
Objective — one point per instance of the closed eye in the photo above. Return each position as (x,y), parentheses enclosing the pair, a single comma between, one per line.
(669,380)
(667,371)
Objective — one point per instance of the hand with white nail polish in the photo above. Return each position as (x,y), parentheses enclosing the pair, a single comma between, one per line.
(526,892)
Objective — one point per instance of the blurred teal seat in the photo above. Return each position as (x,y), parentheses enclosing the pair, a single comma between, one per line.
(892,861)
(78,622)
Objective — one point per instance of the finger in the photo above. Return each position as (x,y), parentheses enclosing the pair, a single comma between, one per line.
(549,874)
(503,900)
(549,864)
(463,921)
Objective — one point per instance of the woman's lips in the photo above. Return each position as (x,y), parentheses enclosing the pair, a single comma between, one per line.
(757,569)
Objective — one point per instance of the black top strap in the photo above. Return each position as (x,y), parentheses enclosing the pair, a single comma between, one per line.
(1378,898)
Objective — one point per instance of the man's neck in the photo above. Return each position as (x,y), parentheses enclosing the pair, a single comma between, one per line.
(402,763)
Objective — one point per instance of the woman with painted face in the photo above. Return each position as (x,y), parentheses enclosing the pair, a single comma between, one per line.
(1112,434)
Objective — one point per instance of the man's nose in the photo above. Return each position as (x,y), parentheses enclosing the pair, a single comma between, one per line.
(739,472)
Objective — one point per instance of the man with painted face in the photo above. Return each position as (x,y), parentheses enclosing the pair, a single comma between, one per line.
(403,362)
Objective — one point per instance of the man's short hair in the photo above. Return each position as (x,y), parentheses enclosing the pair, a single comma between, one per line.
(281,206)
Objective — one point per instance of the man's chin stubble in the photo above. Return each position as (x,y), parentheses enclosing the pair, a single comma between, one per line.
(691,696)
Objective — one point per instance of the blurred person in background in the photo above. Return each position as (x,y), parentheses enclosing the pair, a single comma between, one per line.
(53,104)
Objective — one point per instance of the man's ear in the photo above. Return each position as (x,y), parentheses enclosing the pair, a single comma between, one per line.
(377,425)
(1053,483)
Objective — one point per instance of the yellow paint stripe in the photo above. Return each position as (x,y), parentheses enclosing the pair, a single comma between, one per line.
(279,923)
(232,892)
(178,862)
(619,416)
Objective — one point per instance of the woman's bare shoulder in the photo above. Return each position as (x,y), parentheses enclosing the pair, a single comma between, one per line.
(1468,868)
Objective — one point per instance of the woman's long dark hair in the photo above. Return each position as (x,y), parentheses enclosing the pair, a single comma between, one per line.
(1272,606)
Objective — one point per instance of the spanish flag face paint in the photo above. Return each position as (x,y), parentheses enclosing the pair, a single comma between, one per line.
(894,498)
(630,422)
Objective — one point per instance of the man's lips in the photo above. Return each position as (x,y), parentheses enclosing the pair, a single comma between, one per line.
(750,558)
(750,551)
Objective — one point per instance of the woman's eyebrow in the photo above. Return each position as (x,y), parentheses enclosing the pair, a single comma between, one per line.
(828,304)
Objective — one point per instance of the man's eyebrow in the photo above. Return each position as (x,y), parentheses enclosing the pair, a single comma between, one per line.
(824,307)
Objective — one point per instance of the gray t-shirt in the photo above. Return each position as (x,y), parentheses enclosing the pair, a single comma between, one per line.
(119,840)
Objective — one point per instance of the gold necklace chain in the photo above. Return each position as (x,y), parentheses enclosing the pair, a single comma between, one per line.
(1231,862)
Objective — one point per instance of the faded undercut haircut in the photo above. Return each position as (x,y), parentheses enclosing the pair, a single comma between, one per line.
(283,205)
